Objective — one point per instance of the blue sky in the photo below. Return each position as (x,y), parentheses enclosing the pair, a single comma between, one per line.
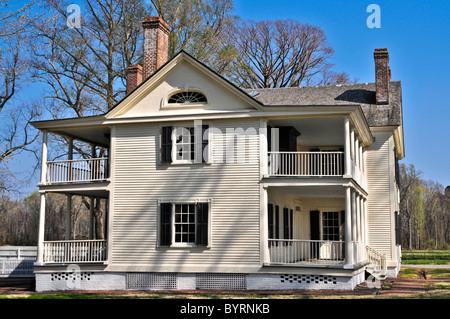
(417,35)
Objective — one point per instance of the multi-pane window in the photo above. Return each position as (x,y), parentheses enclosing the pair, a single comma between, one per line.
(330,226)
(184,223)
(184,144)
(187,97)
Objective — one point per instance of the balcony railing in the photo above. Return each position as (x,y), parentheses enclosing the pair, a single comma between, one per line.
(306,164)
(80,170)
(314,252)
(74,251)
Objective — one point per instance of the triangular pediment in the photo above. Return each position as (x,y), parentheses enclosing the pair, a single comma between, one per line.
(183,73)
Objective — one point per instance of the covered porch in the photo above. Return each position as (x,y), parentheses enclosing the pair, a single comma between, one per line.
(79,171)
(317,147)
(317,225)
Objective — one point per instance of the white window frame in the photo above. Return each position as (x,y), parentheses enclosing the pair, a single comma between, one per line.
(175,202)
(337,210)
(174,223)
(197,144)
(166,105)
(184,143)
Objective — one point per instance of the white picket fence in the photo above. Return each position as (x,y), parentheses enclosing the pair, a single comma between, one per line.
(17,261)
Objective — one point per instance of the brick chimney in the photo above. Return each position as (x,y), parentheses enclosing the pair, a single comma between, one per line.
(134,77)
(156,45)
(382,75)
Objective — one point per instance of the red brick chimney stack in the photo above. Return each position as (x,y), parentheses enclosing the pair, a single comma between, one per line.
(382,75)
(134,77)
(156,44)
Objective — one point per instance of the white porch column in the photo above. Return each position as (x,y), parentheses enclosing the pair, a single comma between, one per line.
(44,157)
(41,231)
(354,239)
(358,218)
(363,228)
(352,143)
(348,229)
(361,162)
(358,228)
(347,148)
(91,217)
(265,227)
(70,157)
(91,202)
(366,217)
(263,131)
(357,152)
(68,217)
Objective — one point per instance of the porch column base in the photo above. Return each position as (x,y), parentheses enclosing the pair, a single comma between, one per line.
(348,266)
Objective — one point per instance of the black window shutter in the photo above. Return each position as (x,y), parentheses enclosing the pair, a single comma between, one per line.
(205,142)
(398,233)
(315,232)
(270,217)
(165,227)
(285,223)
(201,234)
(315,224)
(291,234)
(277,222)
(166,144)
(343,232)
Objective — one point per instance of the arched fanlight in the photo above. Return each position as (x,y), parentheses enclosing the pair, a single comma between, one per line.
(187,97)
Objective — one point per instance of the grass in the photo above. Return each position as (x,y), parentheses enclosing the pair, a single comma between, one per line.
(426,257)
(437,284)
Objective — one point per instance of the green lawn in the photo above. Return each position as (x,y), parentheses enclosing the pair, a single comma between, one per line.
(426,257)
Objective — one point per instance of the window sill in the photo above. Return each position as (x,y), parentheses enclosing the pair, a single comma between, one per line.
(184,106)
(185,246)
(185,163)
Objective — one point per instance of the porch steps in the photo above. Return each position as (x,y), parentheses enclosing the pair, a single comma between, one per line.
(376,271)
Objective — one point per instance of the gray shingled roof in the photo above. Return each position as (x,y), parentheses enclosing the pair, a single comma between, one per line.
(348,94)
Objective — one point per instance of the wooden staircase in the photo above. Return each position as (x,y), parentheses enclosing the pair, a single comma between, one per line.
(377,263)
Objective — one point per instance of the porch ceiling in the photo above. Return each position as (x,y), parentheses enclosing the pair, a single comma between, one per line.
(315,191)
(316,131)
(98,135)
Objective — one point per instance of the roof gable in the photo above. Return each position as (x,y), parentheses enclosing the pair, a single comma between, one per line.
(183,72)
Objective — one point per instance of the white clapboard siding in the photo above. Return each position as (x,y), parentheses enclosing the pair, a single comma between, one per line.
(379,179)
(140,180)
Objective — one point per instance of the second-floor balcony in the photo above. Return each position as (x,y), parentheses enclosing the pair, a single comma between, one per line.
(77,171)
(314,164)
(328,147)
(306,164)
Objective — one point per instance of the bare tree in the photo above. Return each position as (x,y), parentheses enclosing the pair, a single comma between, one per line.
(14,23)
(409,178)
(198,27)
(85,65)
(281,53)
(16,133)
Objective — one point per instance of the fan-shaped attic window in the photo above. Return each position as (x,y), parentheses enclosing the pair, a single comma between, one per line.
(187,97)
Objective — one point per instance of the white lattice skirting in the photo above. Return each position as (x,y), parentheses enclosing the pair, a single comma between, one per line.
(201,281)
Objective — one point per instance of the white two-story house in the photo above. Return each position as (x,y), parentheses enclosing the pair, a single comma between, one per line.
(212,187)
